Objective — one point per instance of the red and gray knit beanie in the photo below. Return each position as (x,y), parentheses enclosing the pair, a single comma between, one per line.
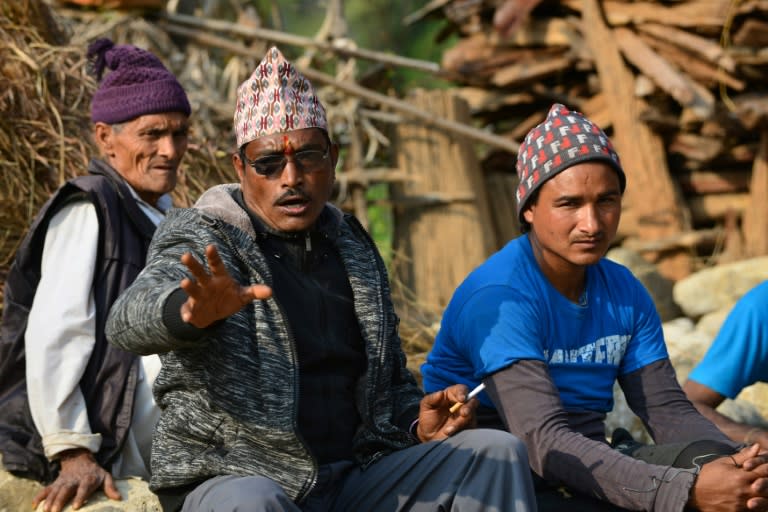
(565,138)
(138,84)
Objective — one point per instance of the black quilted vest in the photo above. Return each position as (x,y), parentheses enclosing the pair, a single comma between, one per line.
(109,382)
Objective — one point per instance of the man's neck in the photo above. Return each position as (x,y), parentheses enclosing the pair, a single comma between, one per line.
(564,276)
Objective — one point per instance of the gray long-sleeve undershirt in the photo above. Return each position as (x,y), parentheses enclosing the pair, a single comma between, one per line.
(570,446)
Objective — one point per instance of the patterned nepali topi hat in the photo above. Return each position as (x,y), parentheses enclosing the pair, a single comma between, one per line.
(276,98)
(138,84)
(564,139)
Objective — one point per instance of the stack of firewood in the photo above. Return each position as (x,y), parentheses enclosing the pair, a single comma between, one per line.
(681,87)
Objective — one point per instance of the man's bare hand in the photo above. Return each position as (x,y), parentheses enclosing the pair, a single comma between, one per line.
(80,477)
(214,296)
(739,483)
(436,421)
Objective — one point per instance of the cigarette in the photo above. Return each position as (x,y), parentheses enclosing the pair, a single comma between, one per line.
(472,394)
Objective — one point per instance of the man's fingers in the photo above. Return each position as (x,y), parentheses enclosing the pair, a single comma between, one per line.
(39,497)
(255,292)
(195,267)
(110,489)
(214,261)
(59,498)
(757,504)
(746,454)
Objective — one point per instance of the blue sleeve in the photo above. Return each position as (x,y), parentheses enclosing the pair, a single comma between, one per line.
(500,327)
(647,344)
(738,357)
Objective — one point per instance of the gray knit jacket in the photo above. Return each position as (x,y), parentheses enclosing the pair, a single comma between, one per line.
(229,398)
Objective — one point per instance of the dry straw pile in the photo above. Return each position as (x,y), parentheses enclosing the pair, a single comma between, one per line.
(44,96)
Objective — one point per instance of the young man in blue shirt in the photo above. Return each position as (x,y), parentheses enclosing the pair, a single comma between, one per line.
(548,325)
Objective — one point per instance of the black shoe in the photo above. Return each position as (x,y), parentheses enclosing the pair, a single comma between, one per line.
(623,441)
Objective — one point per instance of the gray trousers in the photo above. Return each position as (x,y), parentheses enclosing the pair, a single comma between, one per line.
(475,470)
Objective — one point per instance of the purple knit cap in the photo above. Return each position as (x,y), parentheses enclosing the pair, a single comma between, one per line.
(138,84)
(565,138)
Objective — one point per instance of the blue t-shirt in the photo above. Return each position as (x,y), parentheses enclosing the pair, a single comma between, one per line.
(738,357)
(506,311)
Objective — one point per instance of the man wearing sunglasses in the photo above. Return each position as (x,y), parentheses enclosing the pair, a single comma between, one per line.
(284,385)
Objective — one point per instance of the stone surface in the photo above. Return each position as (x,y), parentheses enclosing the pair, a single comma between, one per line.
(715,288)
(16,495)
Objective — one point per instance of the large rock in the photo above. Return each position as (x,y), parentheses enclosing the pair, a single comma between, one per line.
(719,287)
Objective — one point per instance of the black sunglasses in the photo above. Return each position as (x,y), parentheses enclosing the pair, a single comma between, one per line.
(307,160)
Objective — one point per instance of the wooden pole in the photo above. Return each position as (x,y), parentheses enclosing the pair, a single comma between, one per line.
(756,214)
(443,241)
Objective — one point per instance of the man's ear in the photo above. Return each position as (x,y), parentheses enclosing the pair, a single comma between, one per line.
(102,134)
(237,163)
(528,214)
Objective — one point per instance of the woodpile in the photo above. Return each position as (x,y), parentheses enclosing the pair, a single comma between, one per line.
(680,86)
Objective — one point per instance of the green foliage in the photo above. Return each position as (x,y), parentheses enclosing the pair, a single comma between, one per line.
(380,219)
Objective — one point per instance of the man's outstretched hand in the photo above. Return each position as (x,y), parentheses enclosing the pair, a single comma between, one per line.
(80,477)
(214,296)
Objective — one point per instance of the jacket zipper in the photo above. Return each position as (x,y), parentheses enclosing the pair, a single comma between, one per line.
(308,486)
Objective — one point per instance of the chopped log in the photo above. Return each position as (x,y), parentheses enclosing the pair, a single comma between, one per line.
(752,33)
(756,216)
(684,240)
(733,241)
(713,182)
(699,14)
(489,100)
(655,67)
(545,32)
(696,147)
(524,72)
(712,208)
(752,109)
(692,43)
(524,126)
(700,70)
(657,205)
(475,59)
(441,163)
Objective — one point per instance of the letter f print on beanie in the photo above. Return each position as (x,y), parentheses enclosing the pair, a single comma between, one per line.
(565,138)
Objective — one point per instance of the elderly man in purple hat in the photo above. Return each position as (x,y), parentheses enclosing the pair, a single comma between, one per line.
(76,410)
(284,385)
(549,325)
